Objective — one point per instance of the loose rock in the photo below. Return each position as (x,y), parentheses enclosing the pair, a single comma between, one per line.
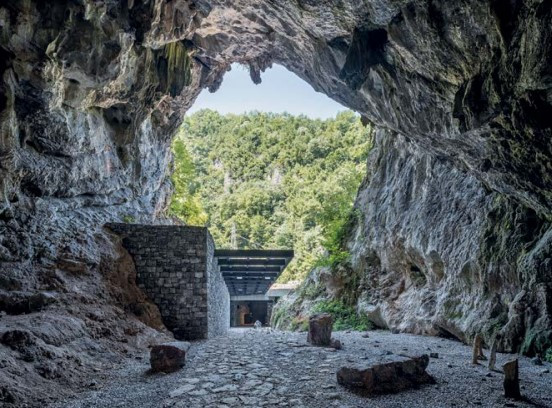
(386,378)
(336,344)
(536,361)
(168,357)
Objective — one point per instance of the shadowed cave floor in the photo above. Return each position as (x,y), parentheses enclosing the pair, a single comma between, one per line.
(272,368)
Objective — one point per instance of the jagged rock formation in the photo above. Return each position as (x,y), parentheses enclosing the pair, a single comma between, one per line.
(460,260)
(457,203)
(386,378)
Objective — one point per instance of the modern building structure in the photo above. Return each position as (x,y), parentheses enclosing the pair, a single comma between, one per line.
(198,289)
(249,275)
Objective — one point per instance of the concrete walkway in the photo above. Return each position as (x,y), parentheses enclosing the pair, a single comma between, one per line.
(265,368)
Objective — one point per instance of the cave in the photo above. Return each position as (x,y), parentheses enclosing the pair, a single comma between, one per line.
(456,205)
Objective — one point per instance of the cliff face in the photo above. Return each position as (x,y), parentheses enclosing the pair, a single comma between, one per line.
(440,253)
(457,201)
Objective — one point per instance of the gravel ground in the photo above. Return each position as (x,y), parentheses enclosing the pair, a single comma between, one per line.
(272,368)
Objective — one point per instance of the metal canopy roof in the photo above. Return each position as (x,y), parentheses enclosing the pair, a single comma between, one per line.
(251,271)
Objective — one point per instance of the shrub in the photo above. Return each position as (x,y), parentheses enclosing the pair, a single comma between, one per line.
(337,231)
(299,324)
(548,355)
(279,315)
(345,317)
(310,290)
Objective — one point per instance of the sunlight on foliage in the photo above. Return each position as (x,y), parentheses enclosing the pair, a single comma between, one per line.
(345,317)
(548,355)
(337,229)
(270,180)
(185,203)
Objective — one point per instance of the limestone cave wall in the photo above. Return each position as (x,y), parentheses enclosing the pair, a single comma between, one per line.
(457,203)
(439,253)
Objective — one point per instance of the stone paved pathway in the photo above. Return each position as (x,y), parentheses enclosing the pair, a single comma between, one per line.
(265,368)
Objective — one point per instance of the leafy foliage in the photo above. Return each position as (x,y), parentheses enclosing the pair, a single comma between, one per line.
(270,180)
(299,324)
(185,203)
(345,317)
(336,232)
(548,355)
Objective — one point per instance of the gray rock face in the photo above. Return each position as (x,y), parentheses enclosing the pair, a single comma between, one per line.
(440,253)
(455,233)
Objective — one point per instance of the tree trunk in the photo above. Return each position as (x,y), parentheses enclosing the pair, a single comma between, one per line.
(320,329)
(511,379)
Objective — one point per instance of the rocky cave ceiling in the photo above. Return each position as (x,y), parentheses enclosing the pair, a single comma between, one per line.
(467,80)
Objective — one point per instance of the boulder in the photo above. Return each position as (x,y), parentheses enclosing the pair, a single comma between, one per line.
(168,357)
(373,312)
(536,361)
(386,378)
(16,302)
(336,344)
(320,329)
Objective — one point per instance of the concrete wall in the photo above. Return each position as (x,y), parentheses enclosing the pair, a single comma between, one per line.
(175,267)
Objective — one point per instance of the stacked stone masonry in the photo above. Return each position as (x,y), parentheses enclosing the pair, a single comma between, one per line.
(176,268)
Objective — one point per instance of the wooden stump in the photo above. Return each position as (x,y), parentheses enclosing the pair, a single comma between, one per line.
(320,329)
(511,379)
(477,349)
(492,355)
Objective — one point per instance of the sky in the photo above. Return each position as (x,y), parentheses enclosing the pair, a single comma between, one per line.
(279,91)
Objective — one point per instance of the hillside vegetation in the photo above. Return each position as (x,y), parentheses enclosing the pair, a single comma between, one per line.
(265,180)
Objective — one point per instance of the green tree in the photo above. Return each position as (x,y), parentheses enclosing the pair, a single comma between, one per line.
(269,180)
(185,203)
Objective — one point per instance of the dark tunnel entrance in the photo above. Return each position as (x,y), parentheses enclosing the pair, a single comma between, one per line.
(246,313)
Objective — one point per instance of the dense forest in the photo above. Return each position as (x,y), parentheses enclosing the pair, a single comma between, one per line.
(266,180)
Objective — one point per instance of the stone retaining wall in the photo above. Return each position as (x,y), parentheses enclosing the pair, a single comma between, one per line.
(176,268)
(218,298)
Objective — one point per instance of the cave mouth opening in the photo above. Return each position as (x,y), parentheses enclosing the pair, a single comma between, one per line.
(255,162)
(275,90)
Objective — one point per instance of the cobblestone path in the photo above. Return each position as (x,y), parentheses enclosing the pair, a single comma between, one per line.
(266,368)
